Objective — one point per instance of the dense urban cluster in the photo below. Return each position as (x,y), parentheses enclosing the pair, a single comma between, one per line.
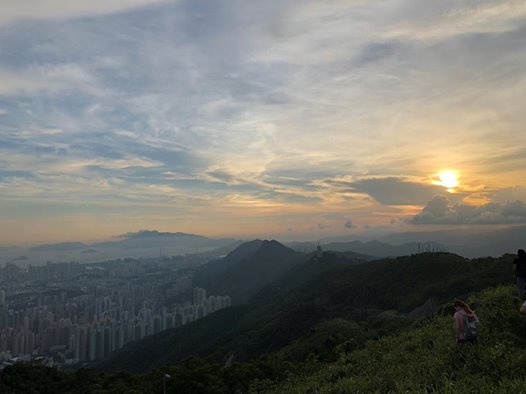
(69,313)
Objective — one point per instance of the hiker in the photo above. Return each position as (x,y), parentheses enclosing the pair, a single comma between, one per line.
(466,323)
(520,272)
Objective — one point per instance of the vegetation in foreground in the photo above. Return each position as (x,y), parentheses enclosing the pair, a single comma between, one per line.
(381,297)
(331,326)
(426,358)
(420,359)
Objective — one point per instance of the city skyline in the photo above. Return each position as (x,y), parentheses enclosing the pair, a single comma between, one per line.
(289,120)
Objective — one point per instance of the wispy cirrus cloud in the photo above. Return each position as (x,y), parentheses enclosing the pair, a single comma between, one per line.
(13,11)
(48,79)
(444,19)
(296,109)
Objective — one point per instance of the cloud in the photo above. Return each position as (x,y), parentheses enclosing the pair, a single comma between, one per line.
(319,227)
(48,79)
(440,210)
(515,209)
(396,191)
(13,11)
(448,18)
(349,224)
(508,194)
(293,107)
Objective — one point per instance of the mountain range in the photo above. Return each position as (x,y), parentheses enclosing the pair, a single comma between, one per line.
(364,250)
(323,320)
(136,245)
(470,242)
(142,239)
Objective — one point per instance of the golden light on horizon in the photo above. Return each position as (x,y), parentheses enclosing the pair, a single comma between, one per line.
(448,179)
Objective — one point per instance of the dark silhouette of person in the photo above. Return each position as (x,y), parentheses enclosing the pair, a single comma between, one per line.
(520,271)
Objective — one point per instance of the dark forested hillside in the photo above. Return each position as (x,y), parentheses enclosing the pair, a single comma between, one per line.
(378,297)
(370,249)
(248,269)
(420,358)
(217,267)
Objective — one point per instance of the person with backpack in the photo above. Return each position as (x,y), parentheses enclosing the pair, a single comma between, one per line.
(520,272)
(466,323)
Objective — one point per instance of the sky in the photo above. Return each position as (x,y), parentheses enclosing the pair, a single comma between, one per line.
(286,119)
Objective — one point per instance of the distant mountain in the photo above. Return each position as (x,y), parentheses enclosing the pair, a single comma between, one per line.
(141,239)
(59,247)
(364,250)
(8,248)
(142,244)
(249,268)
(156,239)
(494,242)
(470,242)
(20,258)
(219,266)
(374,248)
(221,251)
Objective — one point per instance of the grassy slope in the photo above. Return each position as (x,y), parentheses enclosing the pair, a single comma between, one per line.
(417,360)
(426,359)
(353,292)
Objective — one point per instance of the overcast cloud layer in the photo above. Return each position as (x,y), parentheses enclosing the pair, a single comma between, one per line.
(250,118)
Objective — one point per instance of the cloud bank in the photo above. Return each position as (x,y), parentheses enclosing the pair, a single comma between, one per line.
(13,11)
(440,210)
(266,115)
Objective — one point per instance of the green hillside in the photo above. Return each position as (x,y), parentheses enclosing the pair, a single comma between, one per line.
(419,359)
(374,298)
(426,359)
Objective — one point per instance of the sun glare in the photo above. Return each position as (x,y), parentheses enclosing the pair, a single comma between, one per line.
(448,179)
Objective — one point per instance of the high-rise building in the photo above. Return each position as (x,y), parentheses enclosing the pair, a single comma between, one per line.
(199,296)
(92,335)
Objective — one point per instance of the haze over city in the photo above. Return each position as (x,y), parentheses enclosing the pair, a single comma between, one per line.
(284,119)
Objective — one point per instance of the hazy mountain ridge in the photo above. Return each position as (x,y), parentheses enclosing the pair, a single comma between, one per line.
(131,245)
(249,268)
(218,266)
(469,242)
(59,247)
(140,239)
(484,241)
(366,250)
(466,241)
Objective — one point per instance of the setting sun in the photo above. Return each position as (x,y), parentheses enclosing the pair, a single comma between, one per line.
(448,179)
